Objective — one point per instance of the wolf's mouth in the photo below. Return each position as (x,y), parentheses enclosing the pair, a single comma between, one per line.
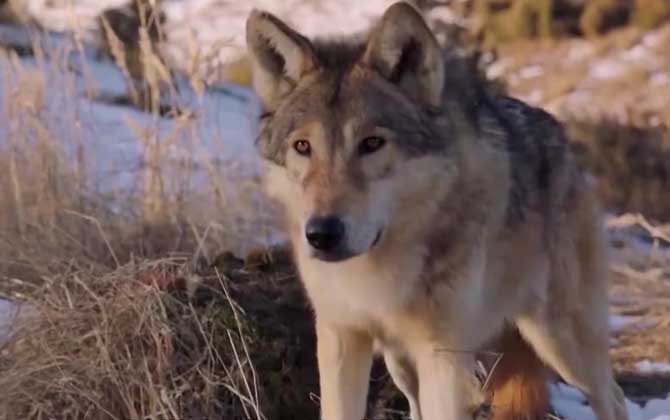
(377,238)
(342,255)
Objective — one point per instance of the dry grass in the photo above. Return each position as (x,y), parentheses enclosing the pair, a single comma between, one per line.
(133,343)
(103,347)
(641,290)
(631,163)
(650,341)
(238,71)
(503,21)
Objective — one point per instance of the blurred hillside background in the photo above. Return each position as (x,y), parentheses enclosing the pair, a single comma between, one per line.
(126,138)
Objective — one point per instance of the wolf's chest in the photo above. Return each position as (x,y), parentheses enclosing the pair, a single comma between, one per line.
(360,290)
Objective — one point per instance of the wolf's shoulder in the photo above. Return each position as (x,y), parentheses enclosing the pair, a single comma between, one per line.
(542,164)
(529,126)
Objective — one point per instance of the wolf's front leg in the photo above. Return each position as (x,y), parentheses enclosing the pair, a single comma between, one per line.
(345,359)
(448,387)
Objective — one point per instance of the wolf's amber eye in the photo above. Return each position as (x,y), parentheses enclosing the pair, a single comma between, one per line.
(370,145)
(302,147)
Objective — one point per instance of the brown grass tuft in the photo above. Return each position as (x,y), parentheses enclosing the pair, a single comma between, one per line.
(133,343)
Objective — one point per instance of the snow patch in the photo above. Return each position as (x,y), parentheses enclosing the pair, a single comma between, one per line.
(636,53)
(216,29)
(571,404)
(498,68)
(619,323)
(531,72)
(657,409)
(64,15)
(647,366)
(580,51)
(607,69)
(206,150)
(80,103)
(8,312)
(534,97)
(653,39)
(659,79)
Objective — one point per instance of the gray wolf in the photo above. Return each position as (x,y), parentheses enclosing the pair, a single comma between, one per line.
(430,218)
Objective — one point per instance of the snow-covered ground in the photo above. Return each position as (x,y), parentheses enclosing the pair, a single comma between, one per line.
(71,95)
(216,135)
(220,124)
(646,366)
(570,403)
(8,312)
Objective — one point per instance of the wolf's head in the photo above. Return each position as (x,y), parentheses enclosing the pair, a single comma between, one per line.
(351,129)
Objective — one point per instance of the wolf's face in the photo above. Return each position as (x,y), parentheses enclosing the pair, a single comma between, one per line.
(348,131)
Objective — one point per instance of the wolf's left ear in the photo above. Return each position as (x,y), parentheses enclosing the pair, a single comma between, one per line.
(280,56)
(403,50)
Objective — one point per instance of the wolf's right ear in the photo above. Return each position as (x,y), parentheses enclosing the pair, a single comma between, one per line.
(403,50)
(280,56)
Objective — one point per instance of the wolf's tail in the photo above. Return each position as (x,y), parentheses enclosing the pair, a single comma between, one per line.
(519,382)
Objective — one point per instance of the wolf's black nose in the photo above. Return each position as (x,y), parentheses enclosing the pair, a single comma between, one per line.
(324,233)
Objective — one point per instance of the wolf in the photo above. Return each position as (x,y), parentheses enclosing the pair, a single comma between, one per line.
(430,218)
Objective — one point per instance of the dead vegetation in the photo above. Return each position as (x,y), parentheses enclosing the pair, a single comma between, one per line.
(146,342)
(641,293)
(622,76)
(502,21)
(131,36)
(632,165)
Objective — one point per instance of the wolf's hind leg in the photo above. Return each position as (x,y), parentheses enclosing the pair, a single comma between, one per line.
(405,378)
(568,327)
(579,353)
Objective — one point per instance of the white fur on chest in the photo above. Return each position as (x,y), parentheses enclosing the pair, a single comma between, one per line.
(363,289)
